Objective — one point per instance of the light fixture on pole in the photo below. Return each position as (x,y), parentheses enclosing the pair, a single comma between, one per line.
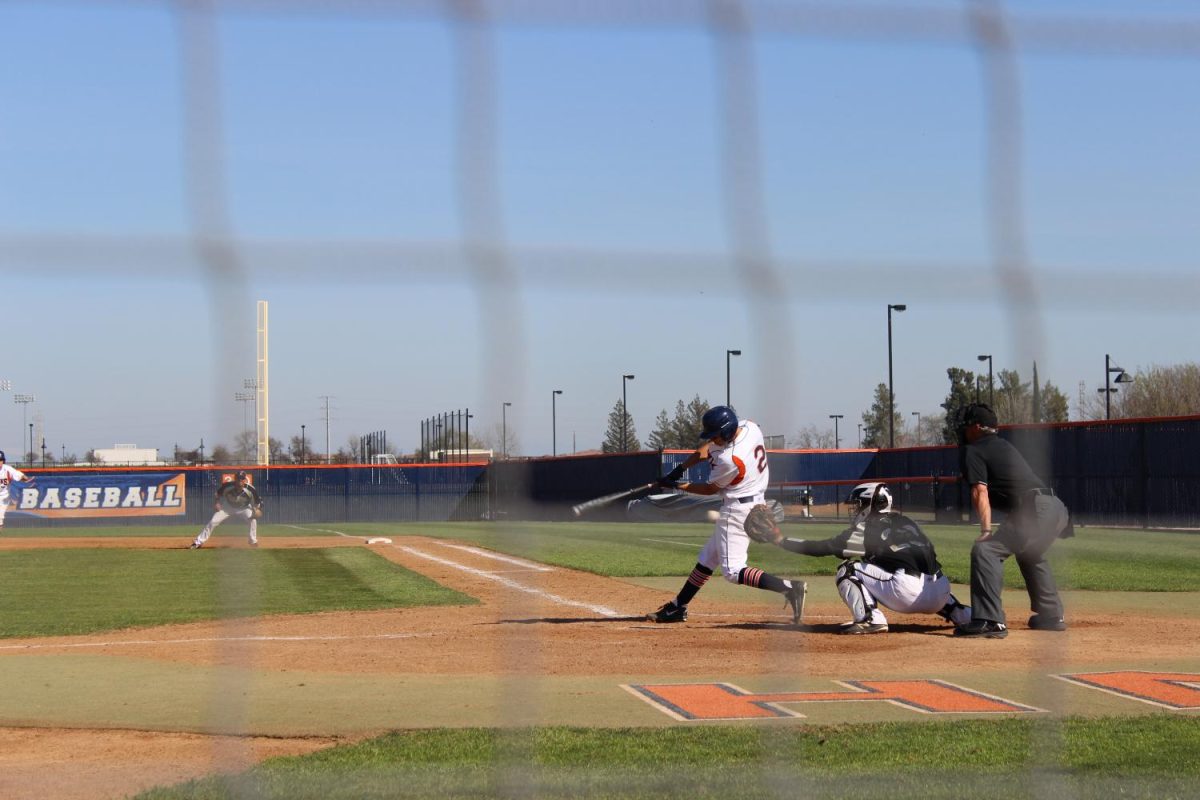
(554,421)
(835,418)
(729,353)
(897,307)
(244,398)
(1122,377)
(917,414)
(991,385)
(624,415)
(25,400)
(504,429)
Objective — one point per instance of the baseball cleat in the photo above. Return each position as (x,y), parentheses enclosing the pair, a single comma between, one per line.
(194,546)
(669,613)
(983,628)
(859,628)
(1039,623)
(794,599)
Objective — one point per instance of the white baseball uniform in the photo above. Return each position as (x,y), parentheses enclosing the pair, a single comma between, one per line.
(233,501)
(739,468)
(7,476)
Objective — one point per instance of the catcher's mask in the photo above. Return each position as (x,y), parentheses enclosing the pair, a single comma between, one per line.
(870,498)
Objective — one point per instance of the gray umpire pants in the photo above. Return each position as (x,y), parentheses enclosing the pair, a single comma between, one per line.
(1026,534)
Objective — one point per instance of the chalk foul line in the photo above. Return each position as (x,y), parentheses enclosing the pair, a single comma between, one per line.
(209,639)
(511,584)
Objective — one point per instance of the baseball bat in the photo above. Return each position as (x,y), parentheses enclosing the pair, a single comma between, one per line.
(609,499)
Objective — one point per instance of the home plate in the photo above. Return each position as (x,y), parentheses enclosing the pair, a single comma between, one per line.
(379,540)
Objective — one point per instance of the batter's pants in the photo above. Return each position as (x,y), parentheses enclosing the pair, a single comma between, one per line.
(1026,535)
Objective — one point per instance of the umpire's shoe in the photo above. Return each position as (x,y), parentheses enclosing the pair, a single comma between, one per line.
(669,613)
(794,598)
(984,628)
(1039,623)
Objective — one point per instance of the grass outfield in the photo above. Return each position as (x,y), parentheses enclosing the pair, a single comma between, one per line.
(1096,559)
(1144,757)
(76,591)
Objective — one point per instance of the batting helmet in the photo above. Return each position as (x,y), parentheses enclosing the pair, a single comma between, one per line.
(871,497)
(719,421)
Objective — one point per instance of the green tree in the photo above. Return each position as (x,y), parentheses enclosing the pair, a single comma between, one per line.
(876,432)
(613,435)
(961,395)
(1054,404)
(688,423)
(662,434)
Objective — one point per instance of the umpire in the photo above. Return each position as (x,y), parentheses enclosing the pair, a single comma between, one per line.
(1001,479)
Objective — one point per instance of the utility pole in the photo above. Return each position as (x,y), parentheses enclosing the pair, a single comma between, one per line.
(327,398)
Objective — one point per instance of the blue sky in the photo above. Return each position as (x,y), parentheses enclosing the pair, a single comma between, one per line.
(339,134)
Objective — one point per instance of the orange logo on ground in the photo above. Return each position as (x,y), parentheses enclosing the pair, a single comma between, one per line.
(1178,690)
(724,701)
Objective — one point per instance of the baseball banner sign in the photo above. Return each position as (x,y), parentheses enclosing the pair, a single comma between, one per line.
(122,495)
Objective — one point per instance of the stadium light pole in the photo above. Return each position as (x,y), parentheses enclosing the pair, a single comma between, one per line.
(897,307)
(504,430)
(244,398)
(917,414)
(1122,377)
(835,418)
(991,385)
(729,353)
(554,421)
(24,400)
(302,444)
(30,443)
(860,436)
(624,415)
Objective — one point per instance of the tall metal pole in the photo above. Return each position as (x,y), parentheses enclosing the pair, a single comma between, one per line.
(301,444)
(836,440)
(554,421)
(991,385)
(467,420)
(729,353)
(892,394)
(624,415)
(917,414)
(504,430)
(1107,387)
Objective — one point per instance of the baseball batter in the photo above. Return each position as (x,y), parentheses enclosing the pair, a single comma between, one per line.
(737,457)
(237,499)
(8,476)
(890,562)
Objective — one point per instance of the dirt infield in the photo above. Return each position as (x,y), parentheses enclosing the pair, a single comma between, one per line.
(546,645)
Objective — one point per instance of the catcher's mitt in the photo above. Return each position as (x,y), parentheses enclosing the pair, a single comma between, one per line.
(760,525)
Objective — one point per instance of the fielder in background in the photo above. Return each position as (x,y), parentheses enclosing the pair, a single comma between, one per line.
(890,562)
(8,476)
(238,499)
(737,458)
(1001,480)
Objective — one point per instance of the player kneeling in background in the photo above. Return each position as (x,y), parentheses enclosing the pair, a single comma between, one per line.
(235,498)
(737,457)
(890,562)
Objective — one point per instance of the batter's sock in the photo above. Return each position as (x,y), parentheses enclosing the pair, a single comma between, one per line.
(697,579)
(750,576)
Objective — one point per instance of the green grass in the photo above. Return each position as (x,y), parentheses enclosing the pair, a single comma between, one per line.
(1096,559)
(75,591)
(1149,756)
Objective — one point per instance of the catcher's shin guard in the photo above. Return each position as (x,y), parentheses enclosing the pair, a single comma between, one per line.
(862,606)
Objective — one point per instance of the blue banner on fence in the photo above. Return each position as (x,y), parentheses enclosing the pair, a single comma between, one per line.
(147,494)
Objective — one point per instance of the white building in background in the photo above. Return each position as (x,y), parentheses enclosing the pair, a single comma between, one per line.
(128,455)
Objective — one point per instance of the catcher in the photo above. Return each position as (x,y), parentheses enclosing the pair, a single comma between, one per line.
(235,498)
(889,562)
